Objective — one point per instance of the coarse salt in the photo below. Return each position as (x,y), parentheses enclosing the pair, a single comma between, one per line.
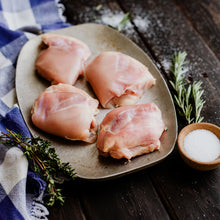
(202,145)
(112,20)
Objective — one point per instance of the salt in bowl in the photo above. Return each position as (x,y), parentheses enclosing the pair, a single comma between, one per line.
(198,165)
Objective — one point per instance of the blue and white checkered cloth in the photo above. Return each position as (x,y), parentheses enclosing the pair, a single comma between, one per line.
(21,191)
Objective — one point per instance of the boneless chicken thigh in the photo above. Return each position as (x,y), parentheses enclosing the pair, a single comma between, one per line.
(63,60)
(130,131)
(118,79)
(66,111)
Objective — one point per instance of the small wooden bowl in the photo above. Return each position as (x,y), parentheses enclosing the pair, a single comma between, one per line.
(192,162)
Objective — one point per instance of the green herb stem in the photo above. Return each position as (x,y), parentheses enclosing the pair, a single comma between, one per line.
(124,21)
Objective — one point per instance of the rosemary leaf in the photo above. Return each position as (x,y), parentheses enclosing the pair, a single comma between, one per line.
(124,21)
(198,102)
(98,7)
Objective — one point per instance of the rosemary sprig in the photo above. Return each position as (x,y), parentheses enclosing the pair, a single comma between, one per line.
(124,21)
(45,161)
(187,98)
(198,102)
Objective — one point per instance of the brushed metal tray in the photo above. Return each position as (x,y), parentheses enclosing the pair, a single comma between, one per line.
(83,157)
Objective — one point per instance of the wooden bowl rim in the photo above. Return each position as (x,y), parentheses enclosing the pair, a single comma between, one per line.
(186,130)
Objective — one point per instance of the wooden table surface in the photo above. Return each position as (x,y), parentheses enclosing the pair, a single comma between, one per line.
(169,190)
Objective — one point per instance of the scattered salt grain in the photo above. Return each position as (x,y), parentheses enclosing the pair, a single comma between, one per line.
(202,145)
(112,20)
(166,64)
(141,23)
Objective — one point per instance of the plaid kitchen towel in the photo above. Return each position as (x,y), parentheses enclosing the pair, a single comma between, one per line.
(17,202)
(21,191)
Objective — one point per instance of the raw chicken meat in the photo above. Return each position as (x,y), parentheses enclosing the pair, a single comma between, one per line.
(63,60)
(66,111)
(130,131)
(118,79)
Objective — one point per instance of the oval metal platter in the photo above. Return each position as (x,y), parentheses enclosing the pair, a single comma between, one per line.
(83,157)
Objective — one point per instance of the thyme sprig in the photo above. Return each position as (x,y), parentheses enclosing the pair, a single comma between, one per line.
(45,162)
(187,97)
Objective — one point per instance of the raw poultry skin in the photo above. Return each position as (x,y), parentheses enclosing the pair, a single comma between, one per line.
(130,131)
(66,111)
(63,60)
(118,79)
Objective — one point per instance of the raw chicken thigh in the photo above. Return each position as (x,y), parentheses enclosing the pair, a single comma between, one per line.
(118,79)
(63,60)
(130,131)
(66,111)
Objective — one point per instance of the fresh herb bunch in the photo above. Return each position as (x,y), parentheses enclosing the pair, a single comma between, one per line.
(188,97)
(45,161)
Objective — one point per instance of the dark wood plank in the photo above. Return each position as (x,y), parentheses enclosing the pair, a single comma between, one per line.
(78,12)
(72,208)
(130,197)
(205,18)
(187,194)
(165,30)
